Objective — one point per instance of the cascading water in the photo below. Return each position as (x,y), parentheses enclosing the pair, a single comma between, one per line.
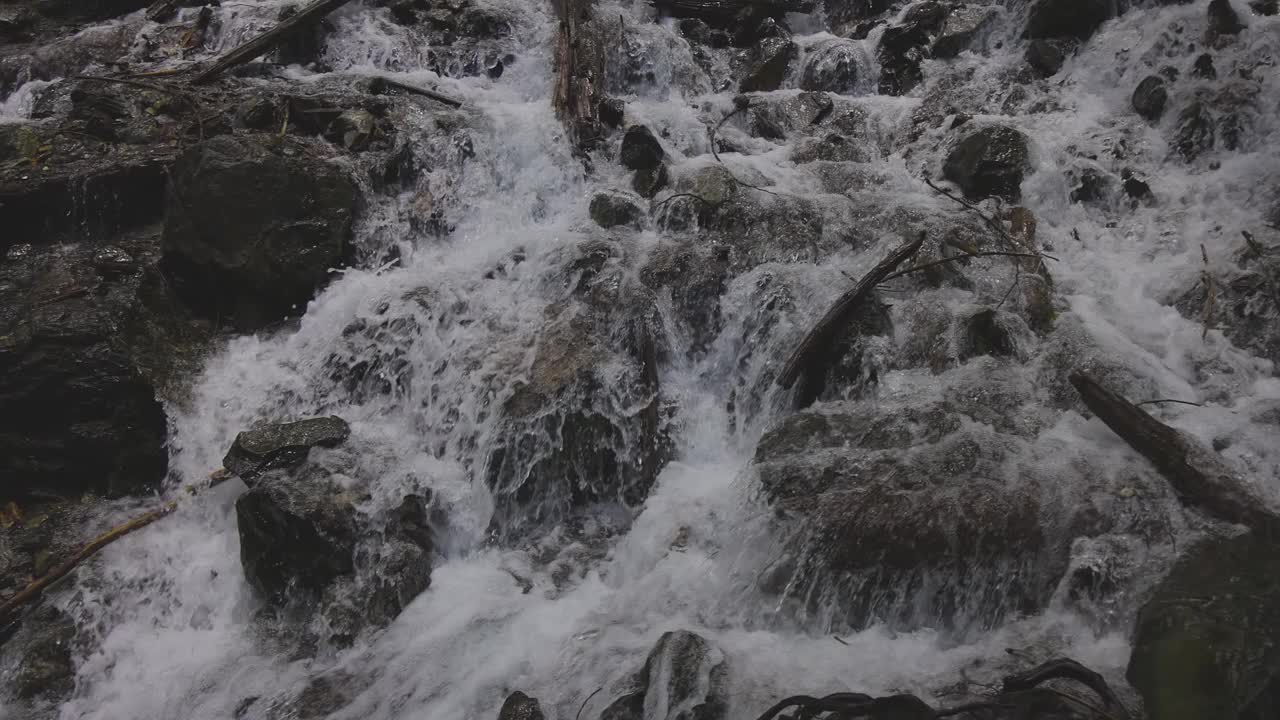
(424,356)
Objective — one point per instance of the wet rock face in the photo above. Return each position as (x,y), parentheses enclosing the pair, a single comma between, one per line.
(833,66)
(253,226)
(683,678)
(79,414)
(282,445)
(989,162)
(612,209)
(768,63)
(1068,18)
(586,428)
(894,516)
(641,149)
(1205,641)
(519,706)
(1150,97)
(904,47)
(1047,56)
(1195,131)
(1223,18)
(37,660)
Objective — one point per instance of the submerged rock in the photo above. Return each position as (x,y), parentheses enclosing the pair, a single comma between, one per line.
(1046,57)
(964,29)
(253,226)
(1194,133)
(1150,97)
(1205,645)
(641,149)
(37,660)
(282,445)
(519,706)
(683,678)
(610,210)
(989,162)
(833,66)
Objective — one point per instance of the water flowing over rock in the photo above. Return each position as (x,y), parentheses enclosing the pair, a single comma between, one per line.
(989,162)
(670,338)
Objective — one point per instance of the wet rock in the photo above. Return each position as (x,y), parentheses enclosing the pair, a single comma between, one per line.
(1092,186)
(1204,68)
(768,64)
(1150,97)
(650,181)
(641,149)
(989,162)
(282,445)
(353,129)
(304,45)
(610,210)
(297,534)
(612,112)
(81,414)
(985,334)
(845,12)
(37,659)
(88,10)
(16,24)
(519,706)
(322,696)
(1136,188)
(832,148)
(904,47)
(585,427)
(1047,56)
(776,118)
(1194,133)
(1265,7)
(1223,18)
(1068,18)
(1205,641)
(253,226)
(684,677)
(894,516)
(964,29)
(833,66)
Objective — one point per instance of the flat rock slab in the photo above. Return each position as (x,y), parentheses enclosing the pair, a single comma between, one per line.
(282,445)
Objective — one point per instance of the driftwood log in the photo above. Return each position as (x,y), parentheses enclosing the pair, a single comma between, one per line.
(579,68)
(424,92)
(266,41)
(812,358)
(1200,478)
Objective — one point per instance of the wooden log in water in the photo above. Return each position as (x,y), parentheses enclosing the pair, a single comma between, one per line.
(579,67)
(1199,478)
(812,357)
(266,41)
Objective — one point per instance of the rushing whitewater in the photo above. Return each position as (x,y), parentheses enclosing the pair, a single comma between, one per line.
(172,630)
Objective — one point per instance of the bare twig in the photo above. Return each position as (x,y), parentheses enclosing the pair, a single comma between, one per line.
(665,201)
(1167,400)
(424,92)
(1210,294)
(990,221)
(584,703)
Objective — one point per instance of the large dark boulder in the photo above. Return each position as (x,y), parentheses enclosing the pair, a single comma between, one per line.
(610,210)
(1207,643)
(1194,132)
(87,10)
(767,64)
(81,413)
(991,161)
(1046,57)
(903,47)
(1068,18)
(1223,18)
(833,66)
(641,149)
(1150,97)
(683,678)
(519,706)
(253,226)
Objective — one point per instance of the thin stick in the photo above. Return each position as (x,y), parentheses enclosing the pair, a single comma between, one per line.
(935,263)
(414,89)
(33,591)
(584,703)
(1167,400)
(978,211)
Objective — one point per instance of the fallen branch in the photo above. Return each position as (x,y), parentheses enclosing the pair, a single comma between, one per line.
(161,10)
(1168,400)
(415,90)
(1210,294)
(990,221)
(809,362)
(935,263)
(33,591)
(266,41)
(1198,477)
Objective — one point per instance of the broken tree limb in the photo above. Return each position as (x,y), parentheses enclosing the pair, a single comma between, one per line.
(579,69)
(1199,478)
(33,591)
(810,359)
(162,10)
(424,92)
(261,44)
